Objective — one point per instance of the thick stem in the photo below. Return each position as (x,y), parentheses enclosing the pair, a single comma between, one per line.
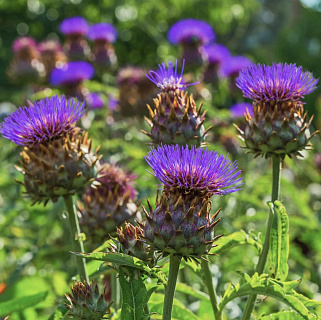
(170,287)
(276,174)
(210,288)
(115,291)
(78,245)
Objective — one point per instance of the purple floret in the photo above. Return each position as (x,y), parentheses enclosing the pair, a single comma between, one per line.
(46,119)
(194,170)
(168,79)
(191,31)
(71,72)
(215,53)
(74,25)
(239,109)
(279,82)
(233,65)
(102,31)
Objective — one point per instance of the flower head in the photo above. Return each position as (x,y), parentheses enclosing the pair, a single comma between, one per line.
(44,120)
(194,170)
(102,31)
(239,109)
(279,82)
(23,42)
(168,79)
(215,53)
(191,31)
(232,66)
(74,25)
(49,46)
(71,72)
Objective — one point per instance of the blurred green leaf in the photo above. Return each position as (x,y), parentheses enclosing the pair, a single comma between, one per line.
(21,303)
(235,239)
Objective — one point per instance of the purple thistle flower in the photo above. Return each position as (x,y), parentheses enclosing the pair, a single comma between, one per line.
(194,170)
(191,31)
(102,31)
(168,79)
(71,72)
(74,25)
(113,102)
(239,109)
(44,120)
(279,82)
(232,66)
(215,53)
(94,101)
(23,42)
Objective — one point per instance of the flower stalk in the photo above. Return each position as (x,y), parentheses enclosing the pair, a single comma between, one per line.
(174,263)
(78,245)
(211,289)
(276,174)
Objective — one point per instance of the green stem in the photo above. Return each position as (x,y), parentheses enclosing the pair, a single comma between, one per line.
(115,291)
(276,170)
(170,287)
(210,288)
(78,245)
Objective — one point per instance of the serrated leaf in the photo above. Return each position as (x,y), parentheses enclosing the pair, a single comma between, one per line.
(122,259)
(283,315)
(21,303)
(279,242)
(235,239)
(135,296)
(262,284)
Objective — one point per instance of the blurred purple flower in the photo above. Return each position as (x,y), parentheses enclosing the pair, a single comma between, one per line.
(74,25)
(46,119)
(94,101)
(23,42)
(191,31)
(102,31)
(168,79)
(279,82)
(71,73)
(112,102)
(50,45)
(194,170)
(215,53)
(232,66)
(239,109)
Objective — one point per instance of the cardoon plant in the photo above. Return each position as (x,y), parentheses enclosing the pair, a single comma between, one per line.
(75,29)
(26,65)
(57,159)
(103,53)
(175,119)
(191,34)
(277,128)
(107,206)
(214,55)
(70,77)
(181,225)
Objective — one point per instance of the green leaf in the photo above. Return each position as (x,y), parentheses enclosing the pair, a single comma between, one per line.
(122,259)
(135,295)
(283,315)
(184,288)
(279,242)
(21,303)
(180,312)
(235,239)
(281,291)
(59,313)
